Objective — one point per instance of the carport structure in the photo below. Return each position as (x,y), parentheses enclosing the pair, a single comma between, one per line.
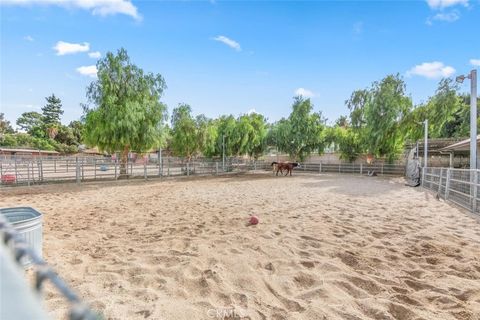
(459,148)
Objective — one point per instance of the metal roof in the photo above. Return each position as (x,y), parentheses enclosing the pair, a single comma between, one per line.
(463,145)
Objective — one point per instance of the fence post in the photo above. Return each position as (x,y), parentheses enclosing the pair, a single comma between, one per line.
(33,173)
(115,165)
(382,168)
(423,177)
(83,171)
(28,174)
(95,169)
(77,171)
(188,169)
(255,165)
(160,163)
(361,168)
(475,182)
(216,168)
(145,169)
(16,173)
(339,168)
(168,167)
(440,182)
(41,169)
(447,183)
(54,165)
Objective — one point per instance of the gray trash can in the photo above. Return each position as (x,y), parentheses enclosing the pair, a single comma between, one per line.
(28,223)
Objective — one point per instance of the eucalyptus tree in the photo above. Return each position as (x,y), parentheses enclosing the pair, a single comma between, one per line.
(127,113)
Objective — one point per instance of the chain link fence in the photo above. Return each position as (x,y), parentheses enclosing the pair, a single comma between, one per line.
(459,186)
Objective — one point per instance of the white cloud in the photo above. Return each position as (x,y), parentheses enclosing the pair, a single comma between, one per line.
(90,71)
(64,48)
(441,4)
(451,16)
(229,42)
(304,92)
(28,38)
(94,54)
(448,17)
(96,7)
(431,70)
(475,62)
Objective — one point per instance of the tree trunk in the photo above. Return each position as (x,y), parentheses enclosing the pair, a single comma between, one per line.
(124,162)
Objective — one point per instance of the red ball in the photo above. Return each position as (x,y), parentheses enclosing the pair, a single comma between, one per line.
(253,220)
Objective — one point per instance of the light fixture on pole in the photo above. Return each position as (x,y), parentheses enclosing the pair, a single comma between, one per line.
(473,115)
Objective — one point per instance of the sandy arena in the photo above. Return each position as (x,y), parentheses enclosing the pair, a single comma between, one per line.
(327,247)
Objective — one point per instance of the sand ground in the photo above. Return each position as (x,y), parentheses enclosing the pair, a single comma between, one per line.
(327,247)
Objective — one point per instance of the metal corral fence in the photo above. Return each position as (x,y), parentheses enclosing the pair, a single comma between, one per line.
(20,302)
(460,186)
(47,170)
(353,168)
(76,169)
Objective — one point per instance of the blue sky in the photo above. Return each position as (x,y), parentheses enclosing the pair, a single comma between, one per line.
(232,57)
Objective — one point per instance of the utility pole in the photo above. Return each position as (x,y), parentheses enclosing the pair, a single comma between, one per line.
(473,115)
(473,120)
(425,151)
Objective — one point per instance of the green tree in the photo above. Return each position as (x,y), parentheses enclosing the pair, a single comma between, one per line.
(65,135)
(250,135)
(342,121)
(5,126)
(207,135)
(377,116)
(442,109)
(349,143)
(52,111)
(78,129)
(29,121)
(301,133)
(227,137)
(127,113)
(184,139)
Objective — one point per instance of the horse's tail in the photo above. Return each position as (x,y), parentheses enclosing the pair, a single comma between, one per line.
(274,162)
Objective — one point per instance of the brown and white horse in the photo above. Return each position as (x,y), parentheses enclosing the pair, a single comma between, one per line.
(280,166)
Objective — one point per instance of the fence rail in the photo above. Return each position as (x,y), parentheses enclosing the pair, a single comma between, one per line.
(460,186)
(14,172)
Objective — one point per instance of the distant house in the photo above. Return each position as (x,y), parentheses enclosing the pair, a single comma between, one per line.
(20,152)
(92,152)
